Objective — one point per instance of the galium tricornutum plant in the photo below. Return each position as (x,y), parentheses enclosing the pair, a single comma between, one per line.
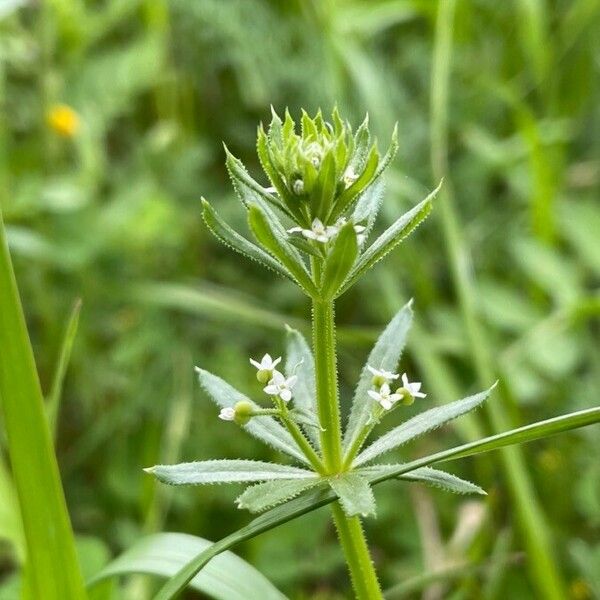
(312,223)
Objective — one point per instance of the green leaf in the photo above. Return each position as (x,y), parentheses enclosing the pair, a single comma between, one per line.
(355,494)
(349,195)
(265,429)
(362,140)
(228,577)
(46,523)
(53,402)
(429,476)
(368,205)
(324,192)
(304,417)
(237,242)
(262,496)
(340,259)
(300,360)
(249,191)
(385,355)
(309,502)
(277,244)
(419,425)
(390,238)
(225,471)
(264,156)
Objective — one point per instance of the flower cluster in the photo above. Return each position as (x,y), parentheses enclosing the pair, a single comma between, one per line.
(278,387)
(319,233)
(405,393)
(318,173)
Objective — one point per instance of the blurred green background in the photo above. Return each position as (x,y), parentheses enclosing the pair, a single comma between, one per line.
(112,117)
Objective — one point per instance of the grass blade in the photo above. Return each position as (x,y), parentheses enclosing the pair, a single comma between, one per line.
(45,518)
(53,402)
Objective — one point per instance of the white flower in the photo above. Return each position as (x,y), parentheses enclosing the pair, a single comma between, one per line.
(385,397)
(412,388)
(317,232)
(280,386)
(227,414)
(381,376)
(266,363)
(333,230)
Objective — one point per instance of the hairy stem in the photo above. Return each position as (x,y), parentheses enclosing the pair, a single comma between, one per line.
(356,552)
(350,532)
(304,444)
(327,389)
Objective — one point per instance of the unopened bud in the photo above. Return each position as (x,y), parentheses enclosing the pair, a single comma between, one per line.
(298,187)
(243,412)
(407,397)
(264,375)
(378,380)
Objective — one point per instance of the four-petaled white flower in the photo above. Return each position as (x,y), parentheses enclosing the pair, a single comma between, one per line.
(266,363)
(280,386)
(382,375)
(227,414)
(317,232)
(334,229)
(385,397)
(412,388)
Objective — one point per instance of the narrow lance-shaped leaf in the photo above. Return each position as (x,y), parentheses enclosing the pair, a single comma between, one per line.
(368,205)
(276,243)
(239,243)
(362,139)
(265,429)
(225,471)
(299,360)
(349,195)
(419,425)
(427,475)
(35,472)
(385,355)
(309,502)
(355,494)
(262,148)
(390,238)
(228,577)
(341,257)
(324,191)
(53,403)
(262,496)
(248,190)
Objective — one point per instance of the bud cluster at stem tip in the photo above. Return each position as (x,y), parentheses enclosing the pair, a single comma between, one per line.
(318,172)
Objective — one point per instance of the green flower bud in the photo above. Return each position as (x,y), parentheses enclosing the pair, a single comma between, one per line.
(243,412)
(378,380)
(264,375)
(407,397)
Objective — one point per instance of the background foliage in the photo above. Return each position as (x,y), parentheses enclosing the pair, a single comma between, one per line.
(111,214)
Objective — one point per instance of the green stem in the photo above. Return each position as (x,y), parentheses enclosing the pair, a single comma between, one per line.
(350,532)
(356,551)
(304,444)
(326,380)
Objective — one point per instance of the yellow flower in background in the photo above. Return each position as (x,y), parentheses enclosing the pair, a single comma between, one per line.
(63,120)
